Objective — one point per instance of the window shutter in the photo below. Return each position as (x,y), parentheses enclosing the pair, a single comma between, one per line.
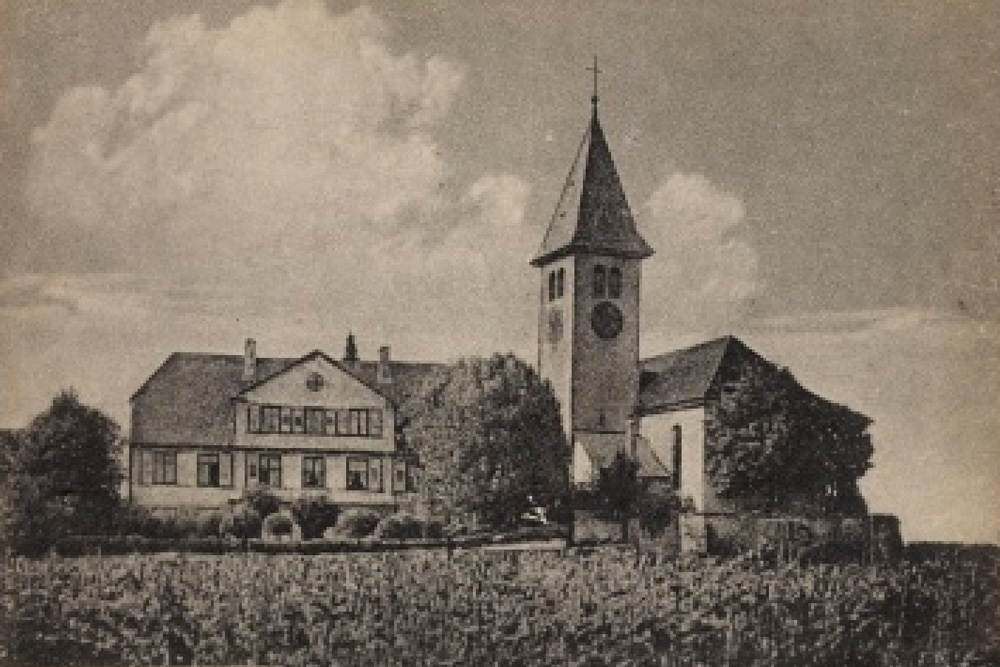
(147,468)
(135,465)
(251,468)
(375,422)
(225,469)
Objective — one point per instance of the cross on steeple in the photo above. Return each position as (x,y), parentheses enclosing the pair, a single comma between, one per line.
(594,97)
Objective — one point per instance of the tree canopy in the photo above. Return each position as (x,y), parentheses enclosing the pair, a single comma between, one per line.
(62,474)
(489,437)
(772,441)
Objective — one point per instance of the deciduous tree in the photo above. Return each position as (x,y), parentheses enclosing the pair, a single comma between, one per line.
(64,475)
(772,442)
(489,437)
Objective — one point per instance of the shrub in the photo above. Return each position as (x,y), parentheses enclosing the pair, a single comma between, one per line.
(434,528)
(314,516)
(401,526)
(208,524)
(262,500)
(277,525)
(135,520)
(171,526)
(657,506)
(357,522)
(240,521)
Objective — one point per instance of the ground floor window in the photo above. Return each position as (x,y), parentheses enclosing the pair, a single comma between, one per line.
(158,467)
(313,472)
(357,474)
(164,467)
(215,470)
(269,470)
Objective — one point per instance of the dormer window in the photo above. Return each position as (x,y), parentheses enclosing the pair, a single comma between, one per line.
(600,281)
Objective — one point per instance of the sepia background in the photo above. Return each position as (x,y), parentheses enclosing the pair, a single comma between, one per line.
(820,179)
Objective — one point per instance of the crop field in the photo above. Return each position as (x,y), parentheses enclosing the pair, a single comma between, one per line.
(581,607)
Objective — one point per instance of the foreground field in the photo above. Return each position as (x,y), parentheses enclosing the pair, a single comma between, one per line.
(478,608)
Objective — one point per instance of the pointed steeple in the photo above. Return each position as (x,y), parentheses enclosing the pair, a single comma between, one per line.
(593,215)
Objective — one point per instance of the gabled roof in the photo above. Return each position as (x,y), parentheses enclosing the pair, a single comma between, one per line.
(592,215)
(188,399)
(683,377)
(602,452)
(346,366)
(406,377)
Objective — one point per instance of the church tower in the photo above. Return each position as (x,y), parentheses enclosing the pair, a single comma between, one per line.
(588,324)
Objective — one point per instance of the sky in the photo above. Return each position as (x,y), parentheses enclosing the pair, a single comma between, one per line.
(820,179)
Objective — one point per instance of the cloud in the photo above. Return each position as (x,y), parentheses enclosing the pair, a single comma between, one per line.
(277,177)
(292,143)
(704,272)
(289,130)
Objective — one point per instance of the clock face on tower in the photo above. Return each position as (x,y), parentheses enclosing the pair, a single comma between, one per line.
(606,320)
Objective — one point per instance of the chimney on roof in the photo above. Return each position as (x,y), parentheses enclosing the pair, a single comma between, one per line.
(250,361)
(350,349)
(384,371)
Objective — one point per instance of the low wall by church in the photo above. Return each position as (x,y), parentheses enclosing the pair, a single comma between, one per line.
(873,538)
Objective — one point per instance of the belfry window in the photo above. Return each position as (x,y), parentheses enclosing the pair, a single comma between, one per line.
(552,285)
(560,282)
(600,281)
(615,282)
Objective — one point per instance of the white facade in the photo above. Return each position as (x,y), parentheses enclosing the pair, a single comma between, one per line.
(310,430)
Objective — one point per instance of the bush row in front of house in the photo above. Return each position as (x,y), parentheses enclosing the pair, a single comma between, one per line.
(112,545)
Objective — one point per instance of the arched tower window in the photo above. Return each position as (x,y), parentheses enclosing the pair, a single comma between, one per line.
(676,455)
(615,282)
(600,281)
(552,285)
(560,282)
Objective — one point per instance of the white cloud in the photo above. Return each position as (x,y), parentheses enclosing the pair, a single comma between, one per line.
(289,130)
(704,272)
(277,177)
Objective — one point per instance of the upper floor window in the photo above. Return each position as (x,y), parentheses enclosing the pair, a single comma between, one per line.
(615,282)
(315,421)
(600,281)
(560,282)
(366,422)
(552,285)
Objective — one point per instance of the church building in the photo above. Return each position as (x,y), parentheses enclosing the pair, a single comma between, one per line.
(656,410)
